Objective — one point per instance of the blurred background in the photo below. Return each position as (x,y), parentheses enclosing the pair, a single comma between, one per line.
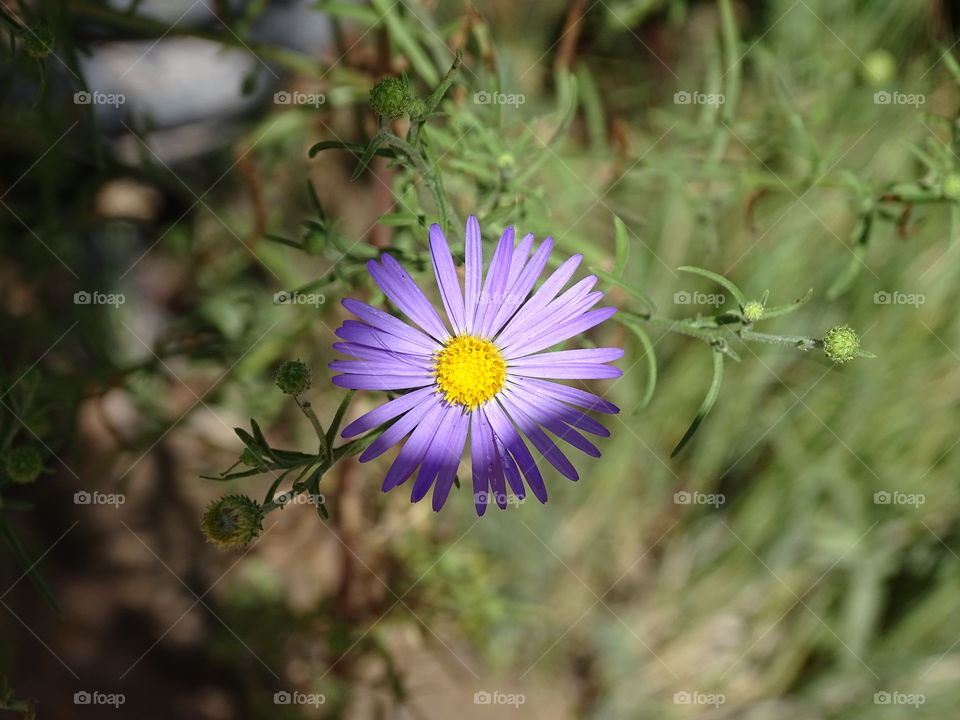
(799,559)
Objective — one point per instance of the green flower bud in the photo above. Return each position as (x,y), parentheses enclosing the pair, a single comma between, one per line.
(753,311)
(232,521)
(293,377)
(23,464)
(951,187)
(38,41)
(841,344)
(391,97)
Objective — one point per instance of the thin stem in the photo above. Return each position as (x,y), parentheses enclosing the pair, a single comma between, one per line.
(307,409)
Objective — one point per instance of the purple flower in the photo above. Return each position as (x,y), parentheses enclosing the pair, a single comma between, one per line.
(485,376)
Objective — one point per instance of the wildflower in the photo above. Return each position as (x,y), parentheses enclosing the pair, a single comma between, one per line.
(232,521)
(482,373)
(293,377)
(23,464)
(841,344)
(391,97)
(753,311)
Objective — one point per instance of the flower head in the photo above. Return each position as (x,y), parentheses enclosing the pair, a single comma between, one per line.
(841,344)
(23,464)
(482,373)
(232,521)
(293,377)
(391,97)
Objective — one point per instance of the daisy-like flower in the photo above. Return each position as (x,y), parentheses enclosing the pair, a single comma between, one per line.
(484,375)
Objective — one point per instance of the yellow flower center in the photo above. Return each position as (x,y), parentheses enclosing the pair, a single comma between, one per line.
(469,370)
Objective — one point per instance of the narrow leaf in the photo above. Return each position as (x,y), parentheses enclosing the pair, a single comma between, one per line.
(708,401)
(719,279)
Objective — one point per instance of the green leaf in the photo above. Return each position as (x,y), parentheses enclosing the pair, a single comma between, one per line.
(622,244)
(367,156)
(30,568)
(648,354)
(337,419)
(778,310)
(719,279)
(708,401)
(632,289)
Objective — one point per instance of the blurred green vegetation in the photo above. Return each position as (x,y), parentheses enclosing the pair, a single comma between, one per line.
(801,594)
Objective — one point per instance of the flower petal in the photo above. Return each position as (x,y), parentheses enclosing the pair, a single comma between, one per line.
(386,412)
(363,334)
(518,291)
(389,324)
(473,272)
(560,332)
(399,430)
(544,294)
(448,469)
(447,280)
(403,292)
(381,382)
(495,285)
(414,449)
(538,437)
(441,449)
(511,440)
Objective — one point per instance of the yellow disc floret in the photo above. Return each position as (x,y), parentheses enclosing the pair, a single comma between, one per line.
(469,370)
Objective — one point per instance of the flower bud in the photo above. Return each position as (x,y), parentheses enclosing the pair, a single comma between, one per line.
(38,41)
(391,97)
(951,187)
(232,521)
(841,344)
(293,377)
(753,311)
(23,464)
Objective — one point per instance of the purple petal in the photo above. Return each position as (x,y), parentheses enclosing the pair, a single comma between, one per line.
(441,449)
(387,411)
(559,333)
(587,355)
(508,435)
(518,291)
(538,437)
(382,382)
(403,292)
(567,394)
(567,414)
(448,469)
(519,259)
(571,303)
(418,367)
(495,285)
(365,352)
(558,371)
(389,324)
(447,280)
(544,294)
(481,460)
(412,452)
(396,432)
(363,334)
(553,422)
(473,249)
